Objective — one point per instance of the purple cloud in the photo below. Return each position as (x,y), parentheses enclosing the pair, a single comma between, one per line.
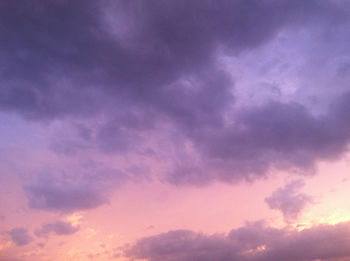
(253,242)
(64,197)
(289,201)
(279,135)
(165,43)
(58,228)
(20,236)
(132,72)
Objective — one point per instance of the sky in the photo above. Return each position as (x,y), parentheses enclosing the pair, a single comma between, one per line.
(174,130)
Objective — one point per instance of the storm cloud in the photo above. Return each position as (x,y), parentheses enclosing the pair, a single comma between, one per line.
(150,69)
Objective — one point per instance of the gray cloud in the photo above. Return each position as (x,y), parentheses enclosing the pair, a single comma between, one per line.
(58,228)
(135,67)
(289,201)
(141,49)
(274,135)
(253,242)
(20,236)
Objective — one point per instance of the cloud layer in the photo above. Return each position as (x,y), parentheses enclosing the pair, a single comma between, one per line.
(253,242)
(142,70)
(152,82)
(184,92)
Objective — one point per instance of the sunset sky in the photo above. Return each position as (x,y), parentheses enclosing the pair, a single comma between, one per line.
(174,130)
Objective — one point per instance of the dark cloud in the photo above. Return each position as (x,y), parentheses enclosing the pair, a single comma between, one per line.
(64,197)
(289,201)
(20,236)
(254,242)
(275,135)
(129,50)
(58,228)
(41,39)
(144,67)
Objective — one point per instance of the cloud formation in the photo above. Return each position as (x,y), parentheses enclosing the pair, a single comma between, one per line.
(183,91)
(253,242)
(275,135)
(289,201)
(58,228)
(63,197)
(109,44)
(136,71)
(20,236)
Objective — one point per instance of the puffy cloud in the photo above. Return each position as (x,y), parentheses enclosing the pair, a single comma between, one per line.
(253,242)
(58,228)
(289,201)
(20,236)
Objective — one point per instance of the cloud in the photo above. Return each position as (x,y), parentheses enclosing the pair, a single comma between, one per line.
(289,201)
(63,192)
(20,236)
(58,228)
(253,242)
(274,135)
(75,45)
(128,54)
(64,198)
(136,71)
